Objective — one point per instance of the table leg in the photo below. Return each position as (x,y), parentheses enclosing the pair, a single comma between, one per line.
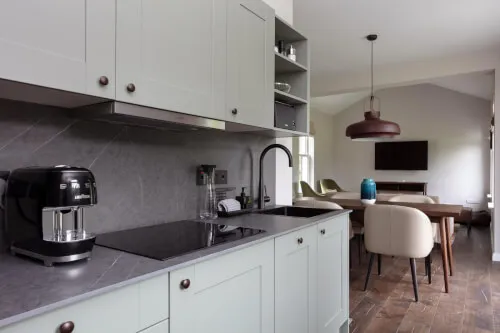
(448,242)
(444,251)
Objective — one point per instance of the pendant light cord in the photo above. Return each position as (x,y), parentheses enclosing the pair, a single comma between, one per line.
(371,73)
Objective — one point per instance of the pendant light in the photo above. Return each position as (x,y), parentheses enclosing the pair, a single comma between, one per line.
(372,128)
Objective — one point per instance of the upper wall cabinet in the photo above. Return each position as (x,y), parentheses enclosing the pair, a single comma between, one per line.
(67,45)
(250,63)
(172,55)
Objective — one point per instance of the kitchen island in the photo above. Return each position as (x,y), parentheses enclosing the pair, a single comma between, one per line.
(264,282)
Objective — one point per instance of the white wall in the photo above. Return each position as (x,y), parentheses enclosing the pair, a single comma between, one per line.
(283,8)
(456,126)
(324,138)
(495,226)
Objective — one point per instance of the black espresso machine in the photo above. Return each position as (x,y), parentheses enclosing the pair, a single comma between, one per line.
(44,213)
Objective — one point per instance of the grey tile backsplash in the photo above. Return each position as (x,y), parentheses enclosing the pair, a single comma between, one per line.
(144,176)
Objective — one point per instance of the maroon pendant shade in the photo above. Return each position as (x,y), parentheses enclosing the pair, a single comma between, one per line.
(372,128)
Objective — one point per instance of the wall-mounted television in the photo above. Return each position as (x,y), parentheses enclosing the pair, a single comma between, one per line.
(401,155)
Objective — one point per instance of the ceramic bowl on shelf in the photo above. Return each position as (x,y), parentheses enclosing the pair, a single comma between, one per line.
(281,86)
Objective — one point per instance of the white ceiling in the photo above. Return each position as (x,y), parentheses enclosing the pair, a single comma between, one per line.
(479,84)
(410,30)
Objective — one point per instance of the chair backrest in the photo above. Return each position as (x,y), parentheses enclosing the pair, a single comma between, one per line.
(307,191)
(317,204)
(415,198)
(346,195)
(322,204)
(329,185)
(398,231)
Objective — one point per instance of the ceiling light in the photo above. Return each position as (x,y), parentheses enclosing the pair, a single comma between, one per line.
(372,128)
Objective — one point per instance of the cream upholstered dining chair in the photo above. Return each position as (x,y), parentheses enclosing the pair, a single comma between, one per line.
(357,227)
(386,235)
(313,203)
(418,198)
(308,192)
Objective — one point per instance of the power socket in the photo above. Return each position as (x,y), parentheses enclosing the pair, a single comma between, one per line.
(220,177)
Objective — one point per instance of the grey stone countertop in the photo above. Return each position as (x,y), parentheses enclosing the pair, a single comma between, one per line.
(27,288)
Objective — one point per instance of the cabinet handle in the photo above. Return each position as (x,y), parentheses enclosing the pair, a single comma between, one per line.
(103,81)
(234,111)
(67,327)
(185,284)
(323,231)
(130,87)
(300,240)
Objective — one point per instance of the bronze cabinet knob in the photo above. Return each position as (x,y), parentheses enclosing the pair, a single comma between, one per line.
(67,327)
(103,81)
(322,231)
(185,284)
(234,111)
(131,87)
(300,240)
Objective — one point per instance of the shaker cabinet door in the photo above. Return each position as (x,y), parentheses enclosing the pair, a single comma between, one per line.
(171,55)
(295,281)
(67,45)
(116,311)
(230,293)
(250,63)
(333,274)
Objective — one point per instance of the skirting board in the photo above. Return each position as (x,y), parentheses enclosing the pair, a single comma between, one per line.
(495,256)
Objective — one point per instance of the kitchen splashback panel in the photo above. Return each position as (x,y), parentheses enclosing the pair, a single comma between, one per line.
(144,176)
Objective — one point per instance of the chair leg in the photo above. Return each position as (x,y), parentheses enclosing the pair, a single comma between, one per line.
(426,266)
(359,248)
(379,262)
(429,270)
(414,277)
(370,264)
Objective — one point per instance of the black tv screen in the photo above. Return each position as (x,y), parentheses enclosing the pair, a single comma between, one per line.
(399,155)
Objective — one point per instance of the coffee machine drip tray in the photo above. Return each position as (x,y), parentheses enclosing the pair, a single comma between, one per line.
(168,240)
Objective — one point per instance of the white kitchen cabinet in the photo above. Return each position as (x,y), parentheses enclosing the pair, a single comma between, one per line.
(67,45)
(250,63)
(158,328)
(154,300)
(333,274)
(227,294)
(128,309)
(112,312)
(172,55)
(296,257)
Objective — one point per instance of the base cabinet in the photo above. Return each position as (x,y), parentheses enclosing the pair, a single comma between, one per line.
(296,256)
(295,283)
(112,312)
(311,278)
(162,327)
(333,274)
(231,293)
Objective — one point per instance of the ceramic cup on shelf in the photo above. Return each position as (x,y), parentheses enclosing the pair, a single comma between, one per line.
(368,191)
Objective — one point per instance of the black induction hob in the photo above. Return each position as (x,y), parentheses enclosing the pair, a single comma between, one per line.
(168,240)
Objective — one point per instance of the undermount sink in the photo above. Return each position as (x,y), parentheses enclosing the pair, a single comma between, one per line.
(295,211)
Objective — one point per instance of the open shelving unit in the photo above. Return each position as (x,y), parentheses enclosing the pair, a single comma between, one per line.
(292,108)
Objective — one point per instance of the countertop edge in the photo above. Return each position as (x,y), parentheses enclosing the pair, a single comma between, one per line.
(86,295)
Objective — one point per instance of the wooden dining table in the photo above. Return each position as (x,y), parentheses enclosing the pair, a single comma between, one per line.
(439,213)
